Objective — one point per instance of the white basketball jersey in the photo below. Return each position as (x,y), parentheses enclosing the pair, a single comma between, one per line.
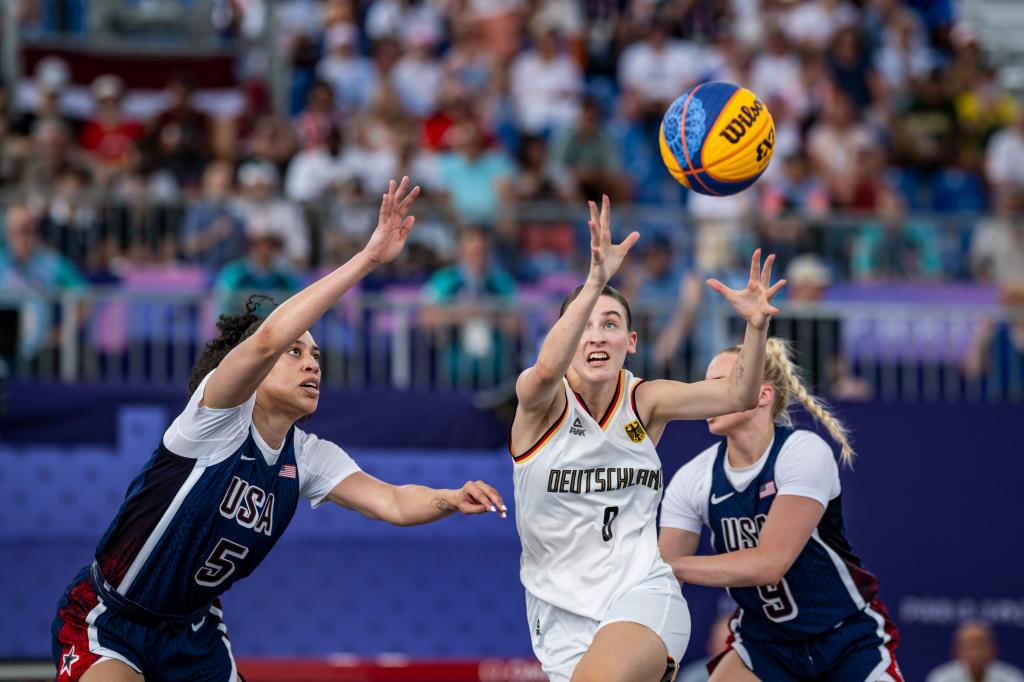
(587,496)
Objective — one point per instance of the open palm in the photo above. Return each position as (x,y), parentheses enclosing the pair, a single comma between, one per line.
(605,257)
(754,304)
(393,225)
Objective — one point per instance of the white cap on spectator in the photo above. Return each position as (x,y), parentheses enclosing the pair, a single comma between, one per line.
(808,269)
(255,172)
(341,35)
(51,74)
(107,86)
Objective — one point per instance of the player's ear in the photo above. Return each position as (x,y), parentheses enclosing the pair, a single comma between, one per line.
(632,343)
(766,396)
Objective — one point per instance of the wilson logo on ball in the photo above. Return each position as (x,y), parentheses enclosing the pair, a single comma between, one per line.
(741,123)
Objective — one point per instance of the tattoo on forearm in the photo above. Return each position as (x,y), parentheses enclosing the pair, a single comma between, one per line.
(444,506)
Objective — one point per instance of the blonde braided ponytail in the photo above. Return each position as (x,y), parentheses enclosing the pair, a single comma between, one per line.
(784,377)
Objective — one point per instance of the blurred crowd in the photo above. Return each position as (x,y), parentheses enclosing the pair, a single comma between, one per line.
(898,154)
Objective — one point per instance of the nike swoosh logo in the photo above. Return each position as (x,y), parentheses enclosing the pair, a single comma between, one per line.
(249,458)
(715,499)
(195,628)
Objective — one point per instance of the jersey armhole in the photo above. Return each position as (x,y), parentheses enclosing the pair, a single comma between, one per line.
(632,403)
(542,441)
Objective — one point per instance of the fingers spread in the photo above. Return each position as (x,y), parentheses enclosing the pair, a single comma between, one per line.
(629,241)
(719,287)
(407,202)
(755,265)
(594,218)
(766,273)
(775,288)
(606,212)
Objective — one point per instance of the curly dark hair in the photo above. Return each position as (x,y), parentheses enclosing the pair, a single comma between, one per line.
(233,330)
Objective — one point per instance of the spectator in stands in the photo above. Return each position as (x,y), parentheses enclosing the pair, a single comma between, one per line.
(997,247)
(264,269)
(790,201)
(656,69)
(192,125)
(814,24)
(31,271)
(213,232)
(974,658)
(319,118)
(468,65)
(718,637)
(109,137)
(1004,159)
(51,153)
(534,180)
(982,109)
(352,76)
(904,58)
(892,244)
(818,338)
(699,324)
(71,220)
(51,79)
(852,69)
(417,74)
(316,170)
(586,159)
(775,72)
(834,142)
(272,139)
(173,161)
(262,209)
(472,334)
(545,83)
(476,180)
(925,135)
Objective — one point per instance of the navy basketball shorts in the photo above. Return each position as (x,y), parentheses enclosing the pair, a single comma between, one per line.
(88,631)
(862,649)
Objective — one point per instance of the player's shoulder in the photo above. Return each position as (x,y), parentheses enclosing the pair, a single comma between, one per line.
(807,443)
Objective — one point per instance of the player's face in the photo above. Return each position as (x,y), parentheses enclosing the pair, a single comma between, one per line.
(605,342)
(293,386)
(720,368)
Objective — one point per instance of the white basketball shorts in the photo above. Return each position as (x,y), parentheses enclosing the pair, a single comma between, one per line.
(560,638)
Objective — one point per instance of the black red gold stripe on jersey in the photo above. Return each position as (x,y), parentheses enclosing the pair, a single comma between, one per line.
(519,459)
(613,406)
(632,402)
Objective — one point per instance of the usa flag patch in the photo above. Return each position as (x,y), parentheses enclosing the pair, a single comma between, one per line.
(287,471)
(767,490)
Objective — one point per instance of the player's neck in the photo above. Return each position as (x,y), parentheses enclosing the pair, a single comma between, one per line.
(272,426)
(746,446)
(596,396)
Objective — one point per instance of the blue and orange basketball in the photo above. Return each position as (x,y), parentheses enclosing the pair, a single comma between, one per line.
(717,138)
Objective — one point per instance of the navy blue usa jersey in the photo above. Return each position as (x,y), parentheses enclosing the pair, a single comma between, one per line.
(187,531)
(825,585)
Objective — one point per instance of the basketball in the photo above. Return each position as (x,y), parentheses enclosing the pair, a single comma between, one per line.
(717,138)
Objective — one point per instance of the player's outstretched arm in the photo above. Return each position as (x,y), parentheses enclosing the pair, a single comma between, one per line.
(410,505)
(667,400)
(248,364)
(791,520)
(538,386)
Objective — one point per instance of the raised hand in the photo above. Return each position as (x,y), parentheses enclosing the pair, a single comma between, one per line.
(605,257)
(388,239)
(754,304)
